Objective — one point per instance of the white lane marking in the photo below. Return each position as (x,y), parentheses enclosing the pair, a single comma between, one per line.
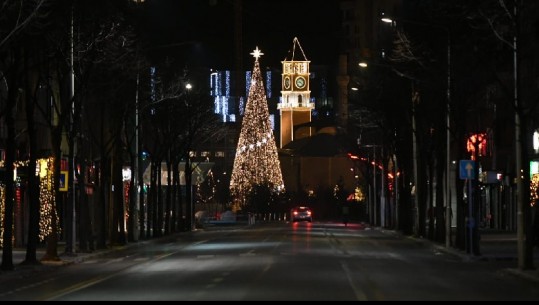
(360,295)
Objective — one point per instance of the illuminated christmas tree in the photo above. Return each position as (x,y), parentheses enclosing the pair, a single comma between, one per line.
(257,160)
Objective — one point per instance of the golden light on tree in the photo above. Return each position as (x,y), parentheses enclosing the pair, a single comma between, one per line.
(2,211)
(46,197)
(257,160)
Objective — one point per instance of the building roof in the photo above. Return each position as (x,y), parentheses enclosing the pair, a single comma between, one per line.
(318,145)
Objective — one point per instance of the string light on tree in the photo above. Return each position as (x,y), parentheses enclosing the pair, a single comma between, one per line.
(2,211)
(257,160)
(45,171)
(47,199)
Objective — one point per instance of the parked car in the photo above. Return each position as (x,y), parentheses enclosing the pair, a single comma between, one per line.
(301,213)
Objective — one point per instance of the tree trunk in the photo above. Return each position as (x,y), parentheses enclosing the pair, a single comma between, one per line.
(118,235)
(188,194)
(7,246)
(133,209)
(33,183)
(51,253)
(158,224)
(102,198)
(168,198)
(176,213)
(85,234)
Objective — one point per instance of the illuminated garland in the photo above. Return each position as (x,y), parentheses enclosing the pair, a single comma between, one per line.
(205,193)
(2,212)
(534,189)
(45,169)
(127,190)
(257,160)
(2,217)
(16,163)
(47,200)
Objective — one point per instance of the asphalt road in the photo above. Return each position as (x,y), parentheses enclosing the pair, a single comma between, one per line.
(276,262)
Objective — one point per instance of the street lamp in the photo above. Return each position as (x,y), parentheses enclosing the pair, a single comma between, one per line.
(448,122)
(187,170)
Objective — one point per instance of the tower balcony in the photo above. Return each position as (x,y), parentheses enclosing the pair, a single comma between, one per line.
(296,105)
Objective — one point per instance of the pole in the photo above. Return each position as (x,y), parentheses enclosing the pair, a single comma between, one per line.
(192,208)
(382,192)
(73,192)
(189,167)
(135,173)
(415,99)
(375,214)
(396,190)
(518,161)
(448,148)
(471,222)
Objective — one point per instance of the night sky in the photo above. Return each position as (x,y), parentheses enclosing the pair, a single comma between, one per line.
(269,24)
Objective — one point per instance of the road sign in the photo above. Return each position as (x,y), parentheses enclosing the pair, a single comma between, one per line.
(467,169)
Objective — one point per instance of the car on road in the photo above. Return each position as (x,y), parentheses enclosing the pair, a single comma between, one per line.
(301,213)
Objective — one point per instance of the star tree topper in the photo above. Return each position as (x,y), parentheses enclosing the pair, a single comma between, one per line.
(257,53)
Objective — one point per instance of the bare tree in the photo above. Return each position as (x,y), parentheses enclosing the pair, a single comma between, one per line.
(181,120)
(513,24)
(16,20)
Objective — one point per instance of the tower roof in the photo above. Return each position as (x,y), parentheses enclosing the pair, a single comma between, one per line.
(295,56)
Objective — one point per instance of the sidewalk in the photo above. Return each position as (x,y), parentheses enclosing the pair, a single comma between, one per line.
(496,246)
(23,270)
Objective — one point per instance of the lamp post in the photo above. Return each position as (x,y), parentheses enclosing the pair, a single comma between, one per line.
(448,124)
(415,101)
(135,174)
(525,259)
(189,172)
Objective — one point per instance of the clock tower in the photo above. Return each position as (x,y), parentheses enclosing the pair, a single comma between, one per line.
(295,106)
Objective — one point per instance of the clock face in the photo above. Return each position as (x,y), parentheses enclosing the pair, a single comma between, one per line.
(300,82)
(287,82)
